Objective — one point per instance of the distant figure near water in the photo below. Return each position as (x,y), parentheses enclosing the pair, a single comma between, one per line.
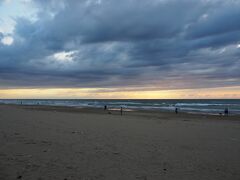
(121,111)
(226,112)
(176,110)
(105,107)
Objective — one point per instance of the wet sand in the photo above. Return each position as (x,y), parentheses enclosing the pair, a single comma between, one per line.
(47,143)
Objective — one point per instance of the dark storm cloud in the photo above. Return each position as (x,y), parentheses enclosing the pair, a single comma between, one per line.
(92,43)
(222,21)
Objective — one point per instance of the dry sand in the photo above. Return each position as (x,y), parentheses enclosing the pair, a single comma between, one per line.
(47,143)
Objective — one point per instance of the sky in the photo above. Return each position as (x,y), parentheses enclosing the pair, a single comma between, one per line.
(120,49)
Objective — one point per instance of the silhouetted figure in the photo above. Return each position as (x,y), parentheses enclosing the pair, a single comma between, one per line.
(226,112)
(121,111)
(105,107)
(176,110)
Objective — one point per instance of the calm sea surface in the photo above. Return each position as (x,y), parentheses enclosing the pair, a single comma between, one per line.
(205,106)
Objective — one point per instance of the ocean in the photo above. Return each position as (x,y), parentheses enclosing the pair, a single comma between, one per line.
(204,106)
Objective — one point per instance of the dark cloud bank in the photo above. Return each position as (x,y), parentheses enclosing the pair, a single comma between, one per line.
(163,44)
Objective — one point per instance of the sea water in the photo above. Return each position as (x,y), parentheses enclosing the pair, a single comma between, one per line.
(205,106)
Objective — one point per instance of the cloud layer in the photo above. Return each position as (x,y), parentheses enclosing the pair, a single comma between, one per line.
(155,44)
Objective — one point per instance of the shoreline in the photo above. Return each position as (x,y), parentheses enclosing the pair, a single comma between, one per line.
(115,111)
(197,106)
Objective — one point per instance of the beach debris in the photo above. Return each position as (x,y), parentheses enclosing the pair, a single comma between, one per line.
(116,153)
(19,177)
(80,152)
(30,142)
(77,132)
(70,167)
(46,142)
(164,170)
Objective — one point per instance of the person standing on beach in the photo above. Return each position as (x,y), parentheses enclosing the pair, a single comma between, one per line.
(105,107)
(226,112)
(176,110)
(121,111)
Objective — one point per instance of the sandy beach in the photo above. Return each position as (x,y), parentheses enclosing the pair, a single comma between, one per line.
(46,143)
